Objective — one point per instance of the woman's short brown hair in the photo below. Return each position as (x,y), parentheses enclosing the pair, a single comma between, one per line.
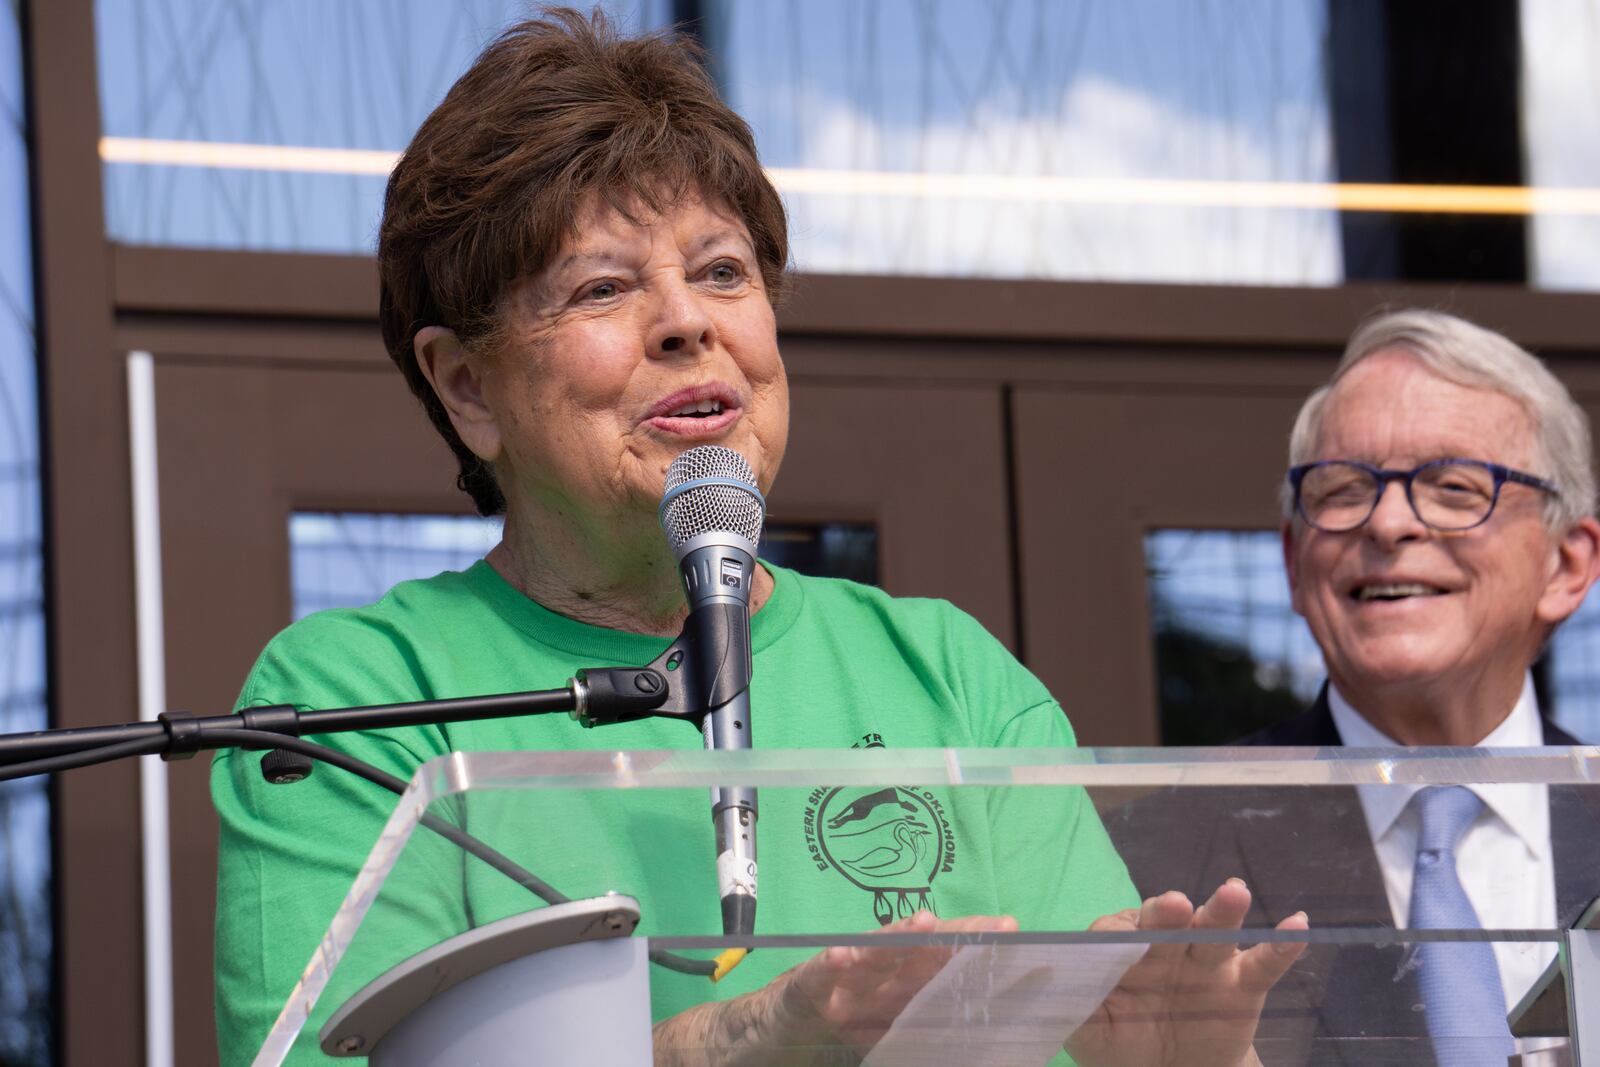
(556,109)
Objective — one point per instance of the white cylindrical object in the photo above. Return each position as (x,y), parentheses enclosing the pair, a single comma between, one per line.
(152,702)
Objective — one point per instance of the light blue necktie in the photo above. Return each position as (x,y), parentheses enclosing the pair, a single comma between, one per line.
(1460,981)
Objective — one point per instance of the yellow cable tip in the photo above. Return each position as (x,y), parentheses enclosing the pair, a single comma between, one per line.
(727,960)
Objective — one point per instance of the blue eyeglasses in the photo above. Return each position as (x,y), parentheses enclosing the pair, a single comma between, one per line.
(1339,495)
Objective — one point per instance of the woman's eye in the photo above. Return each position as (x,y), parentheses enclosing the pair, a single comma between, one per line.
(602,291)
(724,273)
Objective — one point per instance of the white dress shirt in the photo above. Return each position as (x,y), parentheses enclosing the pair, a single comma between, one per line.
(1504,859)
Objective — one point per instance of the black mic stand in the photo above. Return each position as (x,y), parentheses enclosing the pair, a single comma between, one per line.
(606,695)
(594,697)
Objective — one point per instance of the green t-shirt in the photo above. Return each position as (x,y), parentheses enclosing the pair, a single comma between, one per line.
(836,665)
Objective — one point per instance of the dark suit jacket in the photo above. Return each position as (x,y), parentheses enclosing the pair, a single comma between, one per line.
(1309,850)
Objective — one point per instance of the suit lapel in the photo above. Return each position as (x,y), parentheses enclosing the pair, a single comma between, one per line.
(1309,850)
(1574,839)
(1312,728)
(1314,854)
(1575,845)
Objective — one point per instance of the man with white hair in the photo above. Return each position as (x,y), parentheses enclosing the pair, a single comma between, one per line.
(1429,563)
(1438,527)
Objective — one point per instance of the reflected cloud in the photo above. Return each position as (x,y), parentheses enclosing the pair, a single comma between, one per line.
(1101,129)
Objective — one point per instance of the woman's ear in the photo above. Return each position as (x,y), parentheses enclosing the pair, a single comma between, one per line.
(457,378)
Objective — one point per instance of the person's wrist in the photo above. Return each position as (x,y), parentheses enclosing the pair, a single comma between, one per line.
(794,1021)
(774,1026)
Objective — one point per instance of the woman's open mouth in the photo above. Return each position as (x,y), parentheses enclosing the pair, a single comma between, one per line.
(700,412)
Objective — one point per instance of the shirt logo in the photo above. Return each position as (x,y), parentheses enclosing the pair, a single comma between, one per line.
(891,843)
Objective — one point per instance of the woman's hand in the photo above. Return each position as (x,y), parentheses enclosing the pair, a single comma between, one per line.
(857,993)
(829,1010)
(1195,1004)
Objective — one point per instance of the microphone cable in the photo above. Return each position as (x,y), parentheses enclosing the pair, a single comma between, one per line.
(259,739)
(88,757)
(456,836)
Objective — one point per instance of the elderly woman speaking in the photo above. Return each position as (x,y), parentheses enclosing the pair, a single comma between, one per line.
(580,255)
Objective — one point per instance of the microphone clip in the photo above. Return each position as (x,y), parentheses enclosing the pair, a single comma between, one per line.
(603,696)
(675,684)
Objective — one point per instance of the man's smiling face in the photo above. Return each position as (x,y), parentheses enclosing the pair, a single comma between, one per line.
(1396,603)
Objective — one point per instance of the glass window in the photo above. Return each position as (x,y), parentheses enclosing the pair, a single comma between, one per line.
(1561,122)
(26,1001)
(238,78)
(1105,140)
(348,559)
(824,549)
(1090,140)
(1231,656)
(1572,672)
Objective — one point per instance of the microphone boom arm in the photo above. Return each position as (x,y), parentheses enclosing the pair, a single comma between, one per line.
(713,632)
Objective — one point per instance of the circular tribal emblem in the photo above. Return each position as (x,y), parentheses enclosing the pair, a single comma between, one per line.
(889,842)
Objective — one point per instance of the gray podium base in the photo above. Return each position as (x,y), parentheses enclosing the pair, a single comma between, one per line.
(560,985)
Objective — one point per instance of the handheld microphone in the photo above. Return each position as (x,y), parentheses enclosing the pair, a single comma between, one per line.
(712,513)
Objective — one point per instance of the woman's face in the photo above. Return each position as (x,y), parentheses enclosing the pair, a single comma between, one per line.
(639,340)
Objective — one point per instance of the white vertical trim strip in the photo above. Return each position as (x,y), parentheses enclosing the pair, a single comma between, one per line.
(152,702)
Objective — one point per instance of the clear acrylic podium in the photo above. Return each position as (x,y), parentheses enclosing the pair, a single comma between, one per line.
(850,840)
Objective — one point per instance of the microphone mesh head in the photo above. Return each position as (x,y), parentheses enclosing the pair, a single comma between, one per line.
(731,503)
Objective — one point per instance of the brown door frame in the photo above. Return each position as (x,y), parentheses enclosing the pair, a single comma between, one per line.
(89,573)
(152,284)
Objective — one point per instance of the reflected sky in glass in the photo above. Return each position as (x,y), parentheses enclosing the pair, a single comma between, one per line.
(1229,586)
(1103,89)
(1093,89)
(25,876)
(1574,654)
(349,559)
(1561,127)
(349,74)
